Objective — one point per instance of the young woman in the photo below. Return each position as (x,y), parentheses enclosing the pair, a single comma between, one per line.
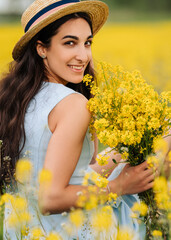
(43,109)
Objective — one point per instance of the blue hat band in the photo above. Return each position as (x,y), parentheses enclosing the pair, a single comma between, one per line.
(47,9)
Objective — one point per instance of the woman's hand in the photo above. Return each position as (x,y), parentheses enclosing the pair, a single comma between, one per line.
(133,179)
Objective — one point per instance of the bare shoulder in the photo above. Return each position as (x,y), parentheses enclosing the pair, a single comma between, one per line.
(75,99)
(73,109)
(72,104)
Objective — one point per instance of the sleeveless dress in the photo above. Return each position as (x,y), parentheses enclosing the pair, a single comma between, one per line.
(38,135)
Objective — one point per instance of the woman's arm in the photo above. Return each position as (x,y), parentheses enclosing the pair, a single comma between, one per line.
(131,180)
(69,121)
(93,160)
(108,168)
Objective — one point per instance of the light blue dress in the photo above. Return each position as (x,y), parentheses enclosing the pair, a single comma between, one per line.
(38,135)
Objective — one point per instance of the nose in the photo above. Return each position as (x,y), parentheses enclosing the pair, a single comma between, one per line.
(84,54)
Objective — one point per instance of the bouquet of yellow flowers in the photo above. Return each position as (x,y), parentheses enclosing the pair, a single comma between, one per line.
(128,115)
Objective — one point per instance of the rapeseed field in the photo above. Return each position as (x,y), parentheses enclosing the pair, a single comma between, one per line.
(142,46)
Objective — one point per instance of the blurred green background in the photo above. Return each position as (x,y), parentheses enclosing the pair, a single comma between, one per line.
(120,10)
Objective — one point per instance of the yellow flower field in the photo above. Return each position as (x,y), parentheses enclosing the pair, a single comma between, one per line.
(142,46)
(9,36)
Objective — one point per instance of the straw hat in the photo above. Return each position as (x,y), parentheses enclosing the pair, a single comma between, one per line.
(43,12)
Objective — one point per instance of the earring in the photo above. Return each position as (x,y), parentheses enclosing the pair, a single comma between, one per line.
(43,56)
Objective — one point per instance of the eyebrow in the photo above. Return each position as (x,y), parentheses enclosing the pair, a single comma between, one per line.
(76,38)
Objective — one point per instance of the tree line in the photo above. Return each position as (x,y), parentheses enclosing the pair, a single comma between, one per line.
(147,5)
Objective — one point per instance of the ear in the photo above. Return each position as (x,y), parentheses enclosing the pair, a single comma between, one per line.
(41,50)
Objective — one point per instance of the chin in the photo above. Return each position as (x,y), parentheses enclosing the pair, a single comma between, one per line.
(76,81)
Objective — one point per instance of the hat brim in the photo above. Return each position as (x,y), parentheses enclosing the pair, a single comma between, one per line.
(98,12)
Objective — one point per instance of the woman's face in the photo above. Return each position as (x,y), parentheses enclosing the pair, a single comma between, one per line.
(69,52)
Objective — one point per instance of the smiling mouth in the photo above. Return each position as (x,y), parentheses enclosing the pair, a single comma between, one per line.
(77,68)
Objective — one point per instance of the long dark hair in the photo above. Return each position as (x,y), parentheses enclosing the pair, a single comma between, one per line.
(19,86)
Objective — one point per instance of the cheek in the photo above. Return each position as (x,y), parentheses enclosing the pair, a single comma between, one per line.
(56,61)
(90,54)
(62,57)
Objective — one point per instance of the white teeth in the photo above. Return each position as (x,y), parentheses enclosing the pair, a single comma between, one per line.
(77,67)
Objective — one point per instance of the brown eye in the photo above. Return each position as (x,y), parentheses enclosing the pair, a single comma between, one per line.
(70,43)
(88,43)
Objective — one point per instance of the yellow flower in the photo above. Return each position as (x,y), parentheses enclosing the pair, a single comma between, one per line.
(7,198)
(125,155)
(152,162)
(91,202)
(76,217)
(102,160)
(161,191)
(13,220)
(53,236)
(102,219)
(140,207)
(157,233)
(101,182)
(95,179)
(87,79)
(22,219)
(25,231)
(160,145)
(154,123)
(92,189)
(25,217)
(112,196)
(160,184)
(86,179)
(19,204)
(23,170)
(162,200)
(125,234)
(82,198)
(36,234)
(45,177)
(166,96)
(101,124)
